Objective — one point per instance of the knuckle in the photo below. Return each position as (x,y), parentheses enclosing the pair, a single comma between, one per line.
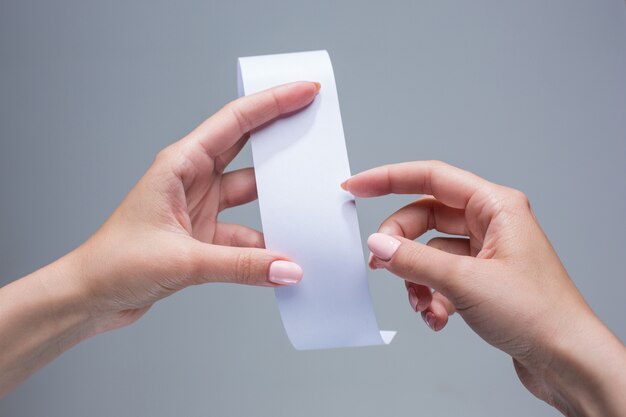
(240,116)
(437,163)
(163,155)
(518,198)
(172,156)
(185,261)
(492,198)
(276,102)
(410,258)
(243,268)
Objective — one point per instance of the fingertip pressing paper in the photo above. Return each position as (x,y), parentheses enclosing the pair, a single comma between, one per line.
(300,162)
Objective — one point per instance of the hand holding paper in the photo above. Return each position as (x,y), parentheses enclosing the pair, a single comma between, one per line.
(505,279)
(163,237)
(502,276)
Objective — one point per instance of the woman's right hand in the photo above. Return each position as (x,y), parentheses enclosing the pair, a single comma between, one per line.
(503,277)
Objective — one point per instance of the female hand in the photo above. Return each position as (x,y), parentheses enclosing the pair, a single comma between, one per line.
(163,237)
(503,277)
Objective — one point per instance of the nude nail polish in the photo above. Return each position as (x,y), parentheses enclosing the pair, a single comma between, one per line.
(371,262)
(429,318)
(284,273)
(383,246)
(413,300)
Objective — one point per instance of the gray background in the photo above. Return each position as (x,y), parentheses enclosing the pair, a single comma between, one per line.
(527,93)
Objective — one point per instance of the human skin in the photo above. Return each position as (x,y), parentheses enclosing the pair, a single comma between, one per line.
(502,276)
(163,237)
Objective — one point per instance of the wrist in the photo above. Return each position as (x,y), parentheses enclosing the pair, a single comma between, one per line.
(87,296)
(43,314)
(107,284)
(66,297)
(587,370)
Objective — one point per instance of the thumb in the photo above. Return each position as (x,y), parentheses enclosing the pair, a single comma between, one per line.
(420,263)
(250,266)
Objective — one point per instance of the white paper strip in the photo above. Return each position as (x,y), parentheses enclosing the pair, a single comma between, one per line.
(300,162)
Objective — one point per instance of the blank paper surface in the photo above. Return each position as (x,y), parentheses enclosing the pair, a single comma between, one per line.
(300,162)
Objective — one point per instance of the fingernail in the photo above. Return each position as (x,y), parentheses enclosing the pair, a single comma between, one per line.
(285,273)
(317,86)
(371,262)
(375,263)
(429,318)
(383,246)
(344,185)
(413,300)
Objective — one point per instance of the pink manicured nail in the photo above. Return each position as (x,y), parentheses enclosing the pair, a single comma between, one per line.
(413,300)
(375,263)
(372,262)
(285,273)
(429,318)
(383,246)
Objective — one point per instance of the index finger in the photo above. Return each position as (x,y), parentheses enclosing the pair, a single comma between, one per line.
(220,131)
(452,186)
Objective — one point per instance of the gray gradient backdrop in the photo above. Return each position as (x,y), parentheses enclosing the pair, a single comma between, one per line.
(526,93)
